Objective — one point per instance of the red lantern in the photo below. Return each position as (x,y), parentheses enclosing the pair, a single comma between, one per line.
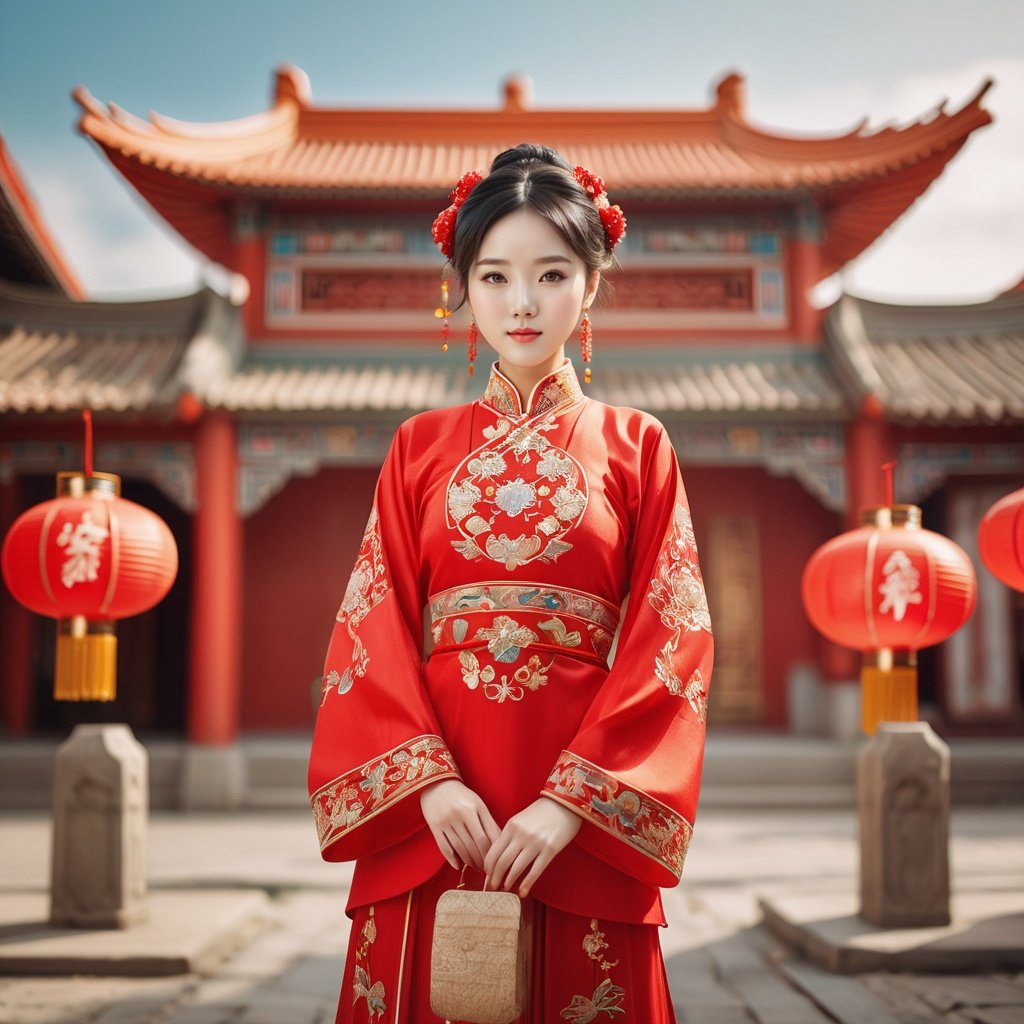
(888,589)
(1001,540)
(87,558)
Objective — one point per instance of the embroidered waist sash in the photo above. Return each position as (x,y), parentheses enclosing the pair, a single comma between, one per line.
(508,618)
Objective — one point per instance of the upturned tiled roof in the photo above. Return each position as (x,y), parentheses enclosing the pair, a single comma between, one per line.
(864,179)
(58,355)
(933,364)
(778,381)
(28,252)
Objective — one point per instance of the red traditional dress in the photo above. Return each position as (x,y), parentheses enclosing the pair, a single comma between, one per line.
(521,530)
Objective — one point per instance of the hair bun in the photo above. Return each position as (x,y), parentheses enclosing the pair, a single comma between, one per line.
(529,152)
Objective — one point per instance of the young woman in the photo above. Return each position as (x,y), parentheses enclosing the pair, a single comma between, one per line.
(521,521)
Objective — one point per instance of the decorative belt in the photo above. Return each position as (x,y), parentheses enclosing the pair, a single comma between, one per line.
(508,618)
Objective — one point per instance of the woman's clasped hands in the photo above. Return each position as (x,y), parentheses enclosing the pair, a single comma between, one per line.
(466,834)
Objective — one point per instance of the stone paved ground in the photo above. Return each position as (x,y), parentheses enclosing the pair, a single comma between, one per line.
(724,968)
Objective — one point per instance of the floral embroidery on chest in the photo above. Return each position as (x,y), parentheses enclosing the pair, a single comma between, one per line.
(516,497)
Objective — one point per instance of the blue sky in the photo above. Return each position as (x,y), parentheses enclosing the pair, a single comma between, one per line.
(810,68)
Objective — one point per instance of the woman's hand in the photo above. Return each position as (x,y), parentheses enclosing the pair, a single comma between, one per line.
(529,842)
(461,824)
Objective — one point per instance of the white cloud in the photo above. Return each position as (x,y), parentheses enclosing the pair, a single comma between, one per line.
(118,249)
(962,240)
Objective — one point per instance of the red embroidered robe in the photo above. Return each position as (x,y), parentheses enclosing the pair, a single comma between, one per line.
(522,531)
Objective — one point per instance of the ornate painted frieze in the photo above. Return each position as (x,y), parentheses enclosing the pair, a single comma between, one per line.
(270,454)
(168,465)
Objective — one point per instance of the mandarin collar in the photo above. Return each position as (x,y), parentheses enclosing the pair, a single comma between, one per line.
(555,391)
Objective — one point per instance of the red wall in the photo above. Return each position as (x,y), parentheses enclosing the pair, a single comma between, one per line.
(299,551)
(792,525)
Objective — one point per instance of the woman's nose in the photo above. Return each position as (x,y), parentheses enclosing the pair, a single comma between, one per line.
(523,303)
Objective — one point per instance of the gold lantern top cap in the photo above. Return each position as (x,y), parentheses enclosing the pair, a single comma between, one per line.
(886,516)
(75,483)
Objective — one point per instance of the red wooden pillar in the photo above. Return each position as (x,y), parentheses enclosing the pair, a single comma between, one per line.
(869,446)
(250,262)
(16,631)
(805,271)
(215,656)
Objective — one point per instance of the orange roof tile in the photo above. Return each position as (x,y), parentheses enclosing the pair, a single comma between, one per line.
(297,150)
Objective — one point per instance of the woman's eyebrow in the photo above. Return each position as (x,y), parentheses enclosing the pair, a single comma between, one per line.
(505,263)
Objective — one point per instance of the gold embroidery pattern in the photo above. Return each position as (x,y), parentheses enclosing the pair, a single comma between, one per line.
(531,676)
(695,690)
(677,591)
(560,388)
(506,638)
(635,817)
(372,992)
(677,595)
(606,999)
(499,501)
(472,674)
(354,798)
(607,996)
(594,945)
(517,596)
(515,498)
(367,587)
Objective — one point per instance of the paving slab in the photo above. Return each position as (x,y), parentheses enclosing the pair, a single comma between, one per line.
(187,931)
(986,934)
(736,857)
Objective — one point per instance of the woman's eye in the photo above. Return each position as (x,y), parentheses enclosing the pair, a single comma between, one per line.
(493,277)
(553,275)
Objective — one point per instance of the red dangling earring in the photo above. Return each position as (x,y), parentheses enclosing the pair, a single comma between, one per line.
(471,340)
(586,343)
(442,313)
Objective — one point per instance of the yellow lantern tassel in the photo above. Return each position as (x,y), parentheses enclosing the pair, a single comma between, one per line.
(888,688)
(86,666)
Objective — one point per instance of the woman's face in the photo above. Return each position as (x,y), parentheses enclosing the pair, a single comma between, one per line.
(527,289)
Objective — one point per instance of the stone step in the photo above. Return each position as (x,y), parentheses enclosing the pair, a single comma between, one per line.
(740,771)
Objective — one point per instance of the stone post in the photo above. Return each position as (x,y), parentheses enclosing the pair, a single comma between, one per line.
(100,804)
(903,798)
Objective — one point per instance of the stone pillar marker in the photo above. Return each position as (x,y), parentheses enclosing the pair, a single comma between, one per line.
(903,799)
(100,807)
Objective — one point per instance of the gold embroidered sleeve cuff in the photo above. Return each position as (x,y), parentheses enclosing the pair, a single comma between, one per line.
(643,823)
(353,800)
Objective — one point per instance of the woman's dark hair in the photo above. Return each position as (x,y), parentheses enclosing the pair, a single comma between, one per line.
(536,177)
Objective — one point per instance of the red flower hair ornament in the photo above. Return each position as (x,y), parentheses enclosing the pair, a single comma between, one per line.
(612,217)
(443,230)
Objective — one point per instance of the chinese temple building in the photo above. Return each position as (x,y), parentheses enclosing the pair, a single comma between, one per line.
(256,426)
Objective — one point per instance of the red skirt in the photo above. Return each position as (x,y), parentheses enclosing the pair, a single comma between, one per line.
(582,969)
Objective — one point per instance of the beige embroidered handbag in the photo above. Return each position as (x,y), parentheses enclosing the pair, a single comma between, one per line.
(480,957)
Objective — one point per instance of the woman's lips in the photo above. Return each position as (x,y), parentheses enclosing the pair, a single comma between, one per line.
(524,334)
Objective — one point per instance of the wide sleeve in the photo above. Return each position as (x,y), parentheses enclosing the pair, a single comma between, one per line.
(377,740)
(633,768)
